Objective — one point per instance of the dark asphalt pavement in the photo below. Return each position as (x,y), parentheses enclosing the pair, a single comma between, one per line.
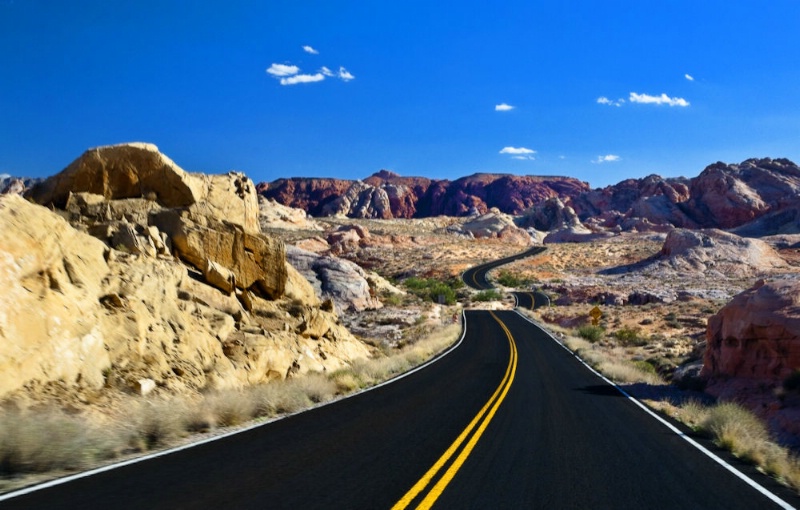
(561,438)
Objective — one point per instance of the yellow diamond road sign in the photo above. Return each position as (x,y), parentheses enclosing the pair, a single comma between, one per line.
(596,314)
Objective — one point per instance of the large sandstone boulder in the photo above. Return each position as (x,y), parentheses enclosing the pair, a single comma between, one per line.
(140,171)
(757,335)
(207,244)
(121,171)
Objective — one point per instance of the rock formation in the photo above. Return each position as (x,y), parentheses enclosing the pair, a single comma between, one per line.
(711,249)
(388,195)
(723,196)
(158,276)
(337,279)
(757,335)
(492,224)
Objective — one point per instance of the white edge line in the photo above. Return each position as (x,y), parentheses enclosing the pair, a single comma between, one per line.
(117,465)
(749,481)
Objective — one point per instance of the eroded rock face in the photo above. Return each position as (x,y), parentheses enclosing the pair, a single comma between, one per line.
(388,195)
(253,259)
(50,274)
(723,196)
(711,249)
(338,279)
(551,214)
(493,224)
(132,295)
(757,335)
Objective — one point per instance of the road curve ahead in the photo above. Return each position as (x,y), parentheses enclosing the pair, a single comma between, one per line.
(531,300)
(509,419)
(475,277)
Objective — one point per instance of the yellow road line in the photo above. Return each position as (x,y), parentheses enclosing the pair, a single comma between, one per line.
(498,397)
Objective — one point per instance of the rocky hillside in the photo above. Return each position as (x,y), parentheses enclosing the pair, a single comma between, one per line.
(388,195)
(136,276)
(723,196)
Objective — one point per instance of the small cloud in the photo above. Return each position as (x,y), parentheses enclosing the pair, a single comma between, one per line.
(282,70)
(606,101)
(522,153)
(309,49)
(302,78)
(658,100)
(608,158)
(562,157)
(327,72)
(503,107)
(689,77)
(345,75)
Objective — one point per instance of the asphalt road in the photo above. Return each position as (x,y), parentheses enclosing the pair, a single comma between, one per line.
(531,300)
(475,277)
(529,427)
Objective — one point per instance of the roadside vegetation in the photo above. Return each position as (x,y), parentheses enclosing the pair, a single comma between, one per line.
(728,424)
(508,279)
(55,440)
(431,289)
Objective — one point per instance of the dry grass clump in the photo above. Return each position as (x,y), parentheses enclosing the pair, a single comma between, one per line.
(735,428)
(37,441)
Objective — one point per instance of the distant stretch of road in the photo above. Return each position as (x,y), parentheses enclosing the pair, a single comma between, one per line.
(475,277)
(531,300)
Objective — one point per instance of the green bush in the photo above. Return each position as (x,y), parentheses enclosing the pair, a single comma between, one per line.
(430,288)
(507,279)
(629,336)
(591,333)
(488,295)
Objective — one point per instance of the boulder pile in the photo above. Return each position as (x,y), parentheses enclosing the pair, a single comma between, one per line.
(138,276)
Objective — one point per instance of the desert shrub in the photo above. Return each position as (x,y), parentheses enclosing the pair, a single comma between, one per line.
(508,279)
(645,366)
(629,336)
(646,322)
(488,295)
(591,333)
(431,289)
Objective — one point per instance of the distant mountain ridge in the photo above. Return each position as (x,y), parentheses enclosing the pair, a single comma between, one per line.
(388,195)
(722,196)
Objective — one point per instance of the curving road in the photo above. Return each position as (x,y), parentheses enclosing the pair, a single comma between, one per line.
(475,277)
(507,419)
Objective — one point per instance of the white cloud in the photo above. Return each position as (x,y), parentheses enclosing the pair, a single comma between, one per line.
(658,100)
(608,158)
(282,70)
(327,72)
(606,101)
(309,49)
(688,77)
(345,75)
(302,78)
(522,153)
(503,107)
(516,150)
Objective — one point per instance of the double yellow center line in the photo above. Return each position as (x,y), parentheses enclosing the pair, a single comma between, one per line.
(471,434)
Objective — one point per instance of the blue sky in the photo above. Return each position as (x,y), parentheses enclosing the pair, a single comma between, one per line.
(601,91)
